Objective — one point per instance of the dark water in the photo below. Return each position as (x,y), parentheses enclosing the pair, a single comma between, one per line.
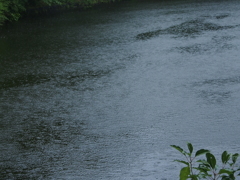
(102,94)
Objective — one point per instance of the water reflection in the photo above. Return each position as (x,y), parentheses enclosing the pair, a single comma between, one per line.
(215,97)
(35,133)
(215,91)
(186,29)
(66,80)
(23,80)
(216,44)
(219,82)
(30,171)
(222,16)
(31,138)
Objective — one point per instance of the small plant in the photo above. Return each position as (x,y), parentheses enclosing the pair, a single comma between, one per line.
(207,168)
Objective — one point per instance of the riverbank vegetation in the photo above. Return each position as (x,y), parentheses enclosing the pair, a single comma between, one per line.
(12,10)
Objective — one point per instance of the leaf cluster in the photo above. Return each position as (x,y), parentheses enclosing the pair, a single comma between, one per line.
(207,168)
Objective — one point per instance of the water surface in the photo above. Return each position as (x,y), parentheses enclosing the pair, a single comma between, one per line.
(103,93)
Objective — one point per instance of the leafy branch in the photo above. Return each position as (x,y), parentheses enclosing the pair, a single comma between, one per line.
(207,168)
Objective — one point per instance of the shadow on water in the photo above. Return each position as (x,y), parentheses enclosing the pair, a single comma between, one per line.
(219,82)
(201,48)
(186,29)
(18,172)
(215,97)
(68,79)
(213,91)
(35,134)
(222,16)
(32,139)
(23,80)
(217,43)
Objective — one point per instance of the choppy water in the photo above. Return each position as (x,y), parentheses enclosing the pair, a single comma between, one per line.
(102,94)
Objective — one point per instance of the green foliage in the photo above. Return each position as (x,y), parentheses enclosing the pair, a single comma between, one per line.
(12,10)
(15,8)
(3,9)
(207,168)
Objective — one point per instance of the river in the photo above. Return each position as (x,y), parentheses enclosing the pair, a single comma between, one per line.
(103,93)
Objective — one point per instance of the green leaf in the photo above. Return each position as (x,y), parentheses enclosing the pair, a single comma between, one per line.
(190,147)
(203,171)
(204,175)
(179,149)
(204,164)
(234,157)
(225,157)
(227,178)
(193,177)
(225,171)
(232,176)
(211,160)
(202,161)
(204,168)
(184,173)
(201,151)
(184,162)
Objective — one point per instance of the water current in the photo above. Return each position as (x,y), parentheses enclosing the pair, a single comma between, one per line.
(103,93)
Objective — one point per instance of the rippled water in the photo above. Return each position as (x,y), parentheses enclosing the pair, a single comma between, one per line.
(103,93)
